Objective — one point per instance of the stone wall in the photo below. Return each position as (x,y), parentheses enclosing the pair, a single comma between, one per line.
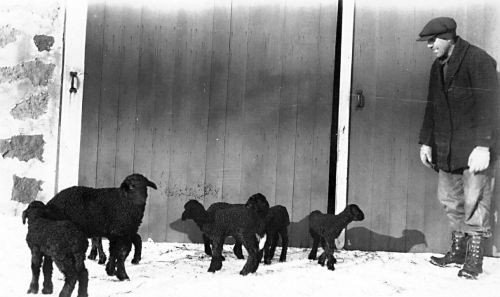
(31,50)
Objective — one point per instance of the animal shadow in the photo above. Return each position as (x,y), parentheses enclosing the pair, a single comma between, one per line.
(299,233)
(361,238)
(192,231)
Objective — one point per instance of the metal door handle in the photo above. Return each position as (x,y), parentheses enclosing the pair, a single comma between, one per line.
(73,76)
(361,99)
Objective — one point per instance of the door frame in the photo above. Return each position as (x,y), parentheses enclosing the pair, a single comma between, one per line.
(346,54)
(70,114)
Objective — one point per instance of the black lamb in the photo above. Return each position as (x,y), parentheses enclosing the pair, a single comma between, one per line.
(114,213)
(276,225)
(243,223)
(253,203)
(326,228)
(52,238)
(206,240)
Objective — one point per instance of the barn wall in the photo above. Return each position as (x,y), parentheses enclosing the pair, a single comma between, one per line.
(386,177)
(213,102)
(31,48)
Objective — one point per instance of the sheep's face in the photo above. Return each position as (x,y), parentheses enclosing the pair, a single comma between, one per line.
(259,204)
(135,186)
(192,210)
(356,212)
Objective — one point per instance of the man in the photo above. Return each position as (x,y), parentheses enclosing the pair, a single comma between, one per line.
(457,137)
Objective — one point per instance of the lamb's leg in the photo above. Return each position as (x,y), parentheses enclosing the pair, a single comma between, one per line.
(93,248)
(329,255)
(325,255)
(48,287)
(206,243)
(111,265)
(83,283)
(284,243)
(322,259)
(97,249)
(70,279)
(102,255)
(314,250)
(83,276)
(36,263)
(125,245)
(238,250)
(274,243)
(268,248)
(119,249)
(137,242)
(216,262)
(252,246)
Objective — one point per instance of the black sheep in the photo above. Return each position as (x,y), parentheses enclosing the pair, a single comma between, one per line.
(276,225)
(326,228)
(114,213)
(52,238)
(241,222)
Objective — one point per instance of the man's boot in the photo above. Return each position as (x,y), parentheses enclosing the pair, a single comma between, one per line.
(474,259)
(457,253)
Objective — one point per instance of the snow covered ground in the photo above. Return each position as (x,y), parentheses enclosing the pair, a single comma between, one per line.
(176,269)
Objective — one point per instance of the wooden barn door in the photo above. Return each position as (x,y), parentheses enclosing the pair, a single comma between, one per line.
(214,101)
(386,177)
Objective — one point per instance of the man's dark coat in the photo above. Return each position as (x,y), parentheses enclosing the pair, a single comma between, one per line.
(461,112)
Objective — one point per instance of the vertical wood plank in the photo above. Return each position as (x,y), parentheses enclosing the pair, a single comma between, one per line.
(308,38)
(180,123)
(218,103)
(384,140)
(269,109)
(145,101)
(323,106)
(129,62)
(160,170)
(252,158)
(199,64)
(108,106)
(288,114)
(400,127)
(91,96)
(492,47)
(415,213)
(233,146)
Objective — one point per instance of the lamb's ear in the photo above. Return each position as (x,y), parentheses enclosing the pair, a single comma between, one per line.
(25,215)
(184,215)
(125,186)
(152,185)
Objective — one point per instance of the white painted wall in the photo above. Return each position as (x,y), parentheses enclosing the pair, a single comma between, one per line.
(30,18)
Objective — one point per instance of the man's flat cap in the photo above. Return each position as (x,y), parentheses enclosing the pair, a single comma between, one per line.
(442,27)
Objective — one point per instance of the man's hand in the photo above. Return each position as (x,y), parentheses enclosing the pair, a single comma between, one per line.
(426,155)
(479,159)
